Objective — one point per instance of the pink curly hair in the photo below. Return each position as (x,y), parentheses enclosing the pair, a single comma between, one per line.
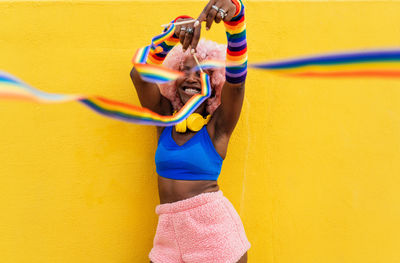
(206,50)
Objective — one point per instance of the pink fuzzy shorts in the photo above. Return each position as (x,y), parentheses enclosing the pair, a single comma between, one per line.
(204,228)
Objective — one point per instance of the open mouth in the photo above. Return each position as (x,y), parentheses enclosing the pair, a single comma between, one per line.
(190,90)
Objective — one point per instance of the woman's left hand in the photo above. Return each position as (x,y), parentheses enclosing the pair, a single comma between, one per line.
(217,10)
(188,34)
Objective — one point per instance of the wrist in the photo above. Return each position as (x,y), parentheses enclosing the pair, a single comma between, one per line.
(236,53)
(162,44)
(239,9)
(239,6)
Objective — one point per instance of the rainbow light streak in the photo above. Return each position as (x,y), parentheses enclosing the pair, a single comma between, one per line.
(12,88)
(157,74)
(378,63)
(138,115)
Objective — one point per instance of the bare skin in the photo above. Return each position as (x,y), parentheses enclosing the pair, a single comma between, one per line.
(243,259)
(174,190)
(221,124)
(219,128)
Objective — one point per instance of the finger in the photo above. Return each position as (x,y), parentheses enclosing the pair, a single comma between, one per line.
(182,35)
(195,39)
(203,15)
(231,12)
(218,17)
(210,18)
(177,30)
(221,14)
(187,41)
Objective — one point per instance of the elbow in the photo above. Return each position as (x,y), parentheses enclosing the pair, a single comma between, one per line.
(132,73)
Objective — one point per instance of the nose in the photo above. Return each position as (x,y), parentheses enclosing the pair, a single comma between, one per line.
(192,76)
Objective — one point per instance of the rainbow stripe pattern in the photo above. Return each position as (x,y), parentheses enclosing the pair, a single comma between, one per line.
(161,45)
(13,88)
(376,63)
(151,72)
(157,74)
(147,60)
(236,54)
(140,56)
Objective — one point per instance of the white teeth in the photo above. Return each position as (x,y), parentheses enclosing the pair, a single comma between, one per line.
(191,91)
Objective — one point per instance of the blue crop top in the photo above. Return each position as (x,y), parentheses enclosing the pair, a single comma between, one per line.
(197,159)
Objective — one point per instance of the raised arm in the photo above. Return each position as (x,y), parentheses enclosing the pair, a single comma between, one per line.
(227,114)
(149,93)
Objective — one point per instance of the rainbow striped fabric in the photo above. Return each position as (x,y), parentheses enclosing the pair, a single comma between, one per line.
(376,63)
(236,53)
(161,45)
(373,63)
(147,60)
(157,74)
(152,72)
(13,88)
(140,56)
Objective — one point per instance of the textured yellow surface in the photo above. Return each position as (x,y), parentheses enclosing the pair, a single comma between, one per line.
(313,166)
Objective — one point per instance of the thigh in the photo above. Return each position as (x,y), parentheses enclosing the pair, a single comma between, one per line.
(243,259)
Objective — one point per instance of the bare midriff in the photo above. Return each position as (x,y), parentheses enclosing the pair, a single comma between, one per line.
(171,190)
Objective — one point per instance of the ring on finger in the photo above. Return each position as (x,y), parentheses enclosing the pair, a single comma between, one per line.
(216,8)
(190,30)
(222,13)
(183,28)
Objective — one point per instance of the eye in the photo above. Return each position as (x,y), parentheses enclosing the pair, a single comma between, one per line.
(186,70)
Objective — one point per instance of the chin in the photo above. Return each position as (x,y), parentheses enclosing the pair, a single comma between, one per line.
(184,100)
(183,97)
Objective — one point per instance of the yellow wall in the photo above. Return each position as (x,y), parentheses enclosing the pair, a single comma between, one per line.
(313,166)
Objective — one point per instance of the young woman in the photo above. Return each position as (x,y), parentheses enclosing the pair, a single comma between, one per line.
(196,222)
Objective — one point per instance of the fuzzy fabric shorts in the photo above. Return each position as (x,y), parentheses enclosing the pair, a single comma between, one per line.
(203,228)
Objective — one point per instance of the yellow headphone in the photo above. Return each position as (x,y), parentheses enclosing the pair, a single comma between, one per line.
(194,123)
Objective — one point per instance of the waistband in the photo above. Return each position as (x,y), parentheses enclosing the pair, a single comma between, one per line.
(189,203)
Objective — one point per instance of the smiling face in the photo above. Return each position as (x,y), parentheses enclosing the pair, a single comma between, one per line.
(190,83)
(206,50)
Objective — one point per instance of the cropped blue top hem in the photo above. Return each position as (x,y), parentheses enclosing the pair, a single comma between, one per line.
(197,159)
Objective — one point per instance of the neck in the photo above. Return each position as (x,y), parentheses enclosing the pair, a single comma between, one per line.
(202,110)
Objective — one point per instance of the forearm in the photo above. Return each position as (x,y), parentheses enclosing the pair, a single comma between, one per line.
(236,55)
(148,93)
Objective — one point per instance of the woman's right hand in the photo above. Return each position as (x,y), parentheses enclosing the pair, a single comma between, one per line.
(217,10)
